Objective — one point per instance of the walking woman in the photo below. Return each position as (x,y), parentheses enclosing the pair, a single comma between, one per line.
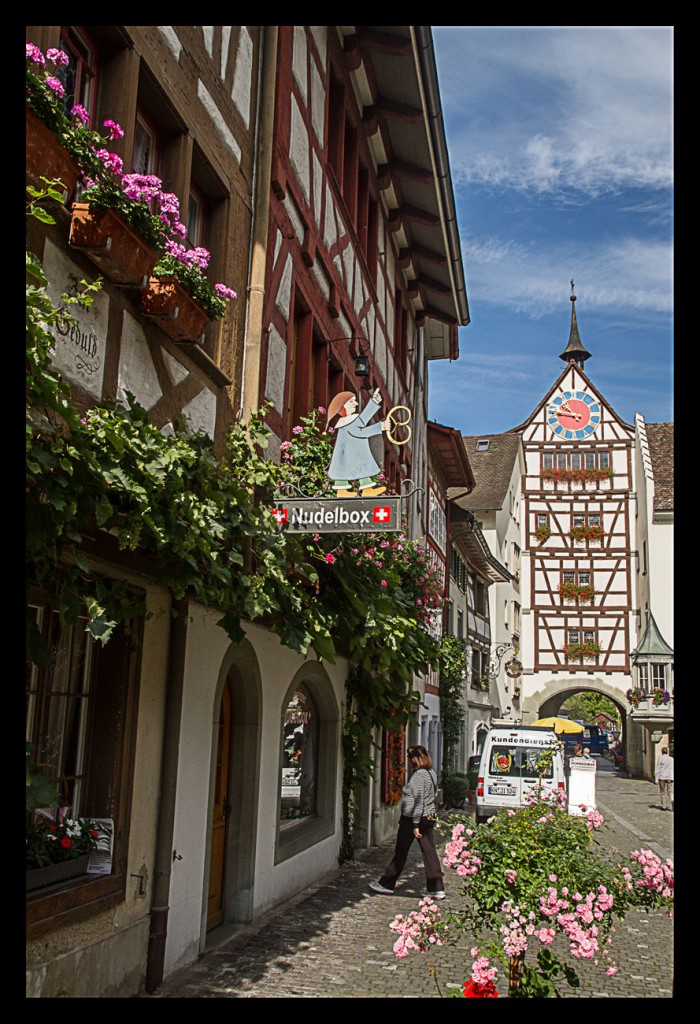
(416,822)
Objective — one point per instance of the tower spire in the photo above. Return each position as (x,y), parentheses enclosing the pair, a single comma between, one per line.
(574,350)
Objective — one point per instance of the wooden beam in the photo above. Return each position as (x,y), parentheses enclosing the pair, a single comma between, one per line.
(352,52)
(422,216)
(400,169)
(385,42)
(428,254)
(433,285)
(399,111)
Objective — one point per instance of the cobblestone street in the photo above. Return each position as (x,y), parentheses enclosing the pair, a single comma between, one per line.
(333,940)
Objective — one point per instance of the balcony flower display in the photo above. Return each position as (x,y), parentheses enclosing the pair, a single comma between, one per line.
(576,475)
(138,200)
(635,695)
(573,592)
(543,533)
(580,533)
(660,697)
(589,650)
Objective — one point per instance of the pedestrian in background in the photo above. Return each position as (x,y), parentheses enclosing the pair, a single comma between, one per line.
(664,777)
(418,816)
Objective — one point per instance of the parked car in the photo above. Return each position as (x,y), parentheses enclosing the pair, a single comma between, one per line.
(592,737)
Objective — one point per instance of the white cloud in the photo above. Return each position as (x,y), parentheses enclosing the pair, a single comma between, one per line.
(546,109)
(620,274)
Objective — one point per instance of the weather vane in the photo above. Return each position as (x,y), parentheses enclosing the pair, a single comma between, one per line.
(571,282)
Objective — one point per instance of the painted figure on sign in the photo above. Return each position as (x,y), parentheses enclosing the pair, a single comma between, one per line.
(352,456)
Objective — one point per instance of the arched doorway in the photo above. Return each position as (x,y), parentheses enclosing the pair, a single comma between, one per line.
(235,777)
(220,813)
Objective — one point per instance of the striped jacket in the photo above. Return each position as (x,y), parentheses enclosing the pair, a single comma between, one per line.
(419,795)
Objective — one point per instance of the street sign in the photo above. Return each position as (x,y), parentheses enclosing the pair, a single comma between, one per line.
(338,515)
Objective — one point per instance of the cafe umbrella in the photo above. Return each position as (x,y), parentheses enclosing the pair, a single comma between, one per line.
(559,724)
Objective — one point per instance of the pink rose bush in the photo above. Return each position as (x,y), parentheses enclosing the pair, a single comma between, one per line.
(534,881)
(421,930)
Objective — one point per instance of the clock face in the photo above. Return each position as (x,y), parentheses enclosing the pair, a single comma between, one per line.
(573,415)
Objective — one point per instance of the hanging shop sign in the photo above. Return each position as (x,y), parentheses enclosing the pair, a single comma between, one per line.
(514,668)
(361,504)
(341,515)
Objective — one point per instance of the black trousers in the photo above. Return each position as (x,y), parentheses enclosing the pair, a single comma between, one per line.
(431,861)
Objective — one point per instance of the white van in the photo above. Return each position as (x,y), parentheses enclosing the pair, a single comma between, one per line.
(507,771)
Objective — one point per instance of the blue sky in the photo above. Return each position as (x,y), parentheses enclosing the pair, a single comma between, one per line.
(561,150)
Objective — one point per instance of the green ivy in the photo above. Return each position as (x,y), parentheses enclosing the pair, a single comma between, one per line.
(453,665)
(204,524)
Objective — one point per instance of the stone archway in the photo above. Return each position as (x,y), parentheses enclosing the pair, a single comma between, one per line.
(549,700)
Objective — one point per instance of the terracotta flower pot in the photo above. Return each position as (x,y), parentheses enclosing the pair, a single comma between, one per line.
(167,301)
(46,157)
(107,239)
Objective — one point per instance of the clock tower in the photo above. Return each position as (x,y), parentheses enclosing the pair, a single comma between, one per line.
(578,625)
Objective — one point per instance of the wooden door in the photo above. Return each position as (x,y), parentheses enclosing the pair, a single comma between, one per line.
(215,907)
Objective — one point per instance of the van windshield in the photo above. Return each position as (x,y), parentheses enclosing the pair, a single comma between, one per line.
(518,762)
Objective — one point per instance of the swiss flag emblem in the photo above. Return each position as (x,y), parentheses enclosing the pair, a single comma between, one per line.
(281,515)
(381,514)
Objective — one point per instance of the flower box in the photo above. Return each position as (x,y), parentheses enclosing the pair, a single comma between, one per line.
(63,871)
(106,239)
(587,651)
(164,299)
(46,157)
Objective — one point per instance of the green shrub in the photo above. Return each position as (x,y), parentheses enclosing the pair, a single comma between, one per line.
(454,788)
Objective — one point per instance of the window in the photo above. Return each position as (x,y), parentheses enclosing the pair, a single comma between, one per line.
(79,719)
(482,446)
(438,523)
(144,160)
(576,460)
(585,519)
(542,519)
(516,560)
(299,757)
(643,669)
(480,598)
(516,617)
(197,234)
(581,578)
(309,368)
(658,676)
(460,624)
(78,75)
(577,636)
(307,763)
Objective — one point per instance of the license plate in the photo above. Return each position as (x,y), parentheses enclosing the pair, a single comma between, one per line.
(502,790)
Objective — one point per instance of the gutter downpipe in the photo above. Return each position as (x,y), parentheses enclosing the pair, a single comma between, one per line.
(250,397)
(160,909)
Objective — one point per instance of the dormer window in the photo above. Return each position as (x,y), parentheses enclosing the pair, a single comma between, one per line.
(482,446)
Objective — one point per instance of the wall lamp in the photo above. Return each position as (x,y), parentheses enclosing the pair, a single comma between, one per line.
(362,363)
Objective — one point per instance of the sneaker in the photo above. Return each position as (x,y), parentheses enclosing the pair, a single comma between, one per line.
(439,895)
(381,889)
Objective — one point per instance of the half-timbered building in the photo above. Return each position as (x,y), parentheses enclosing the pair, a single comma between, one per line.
(312,162)
(584,554)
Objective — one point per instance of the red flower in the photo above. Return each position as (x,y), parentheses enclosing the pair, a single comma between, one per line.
(66,842)
(471,990)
